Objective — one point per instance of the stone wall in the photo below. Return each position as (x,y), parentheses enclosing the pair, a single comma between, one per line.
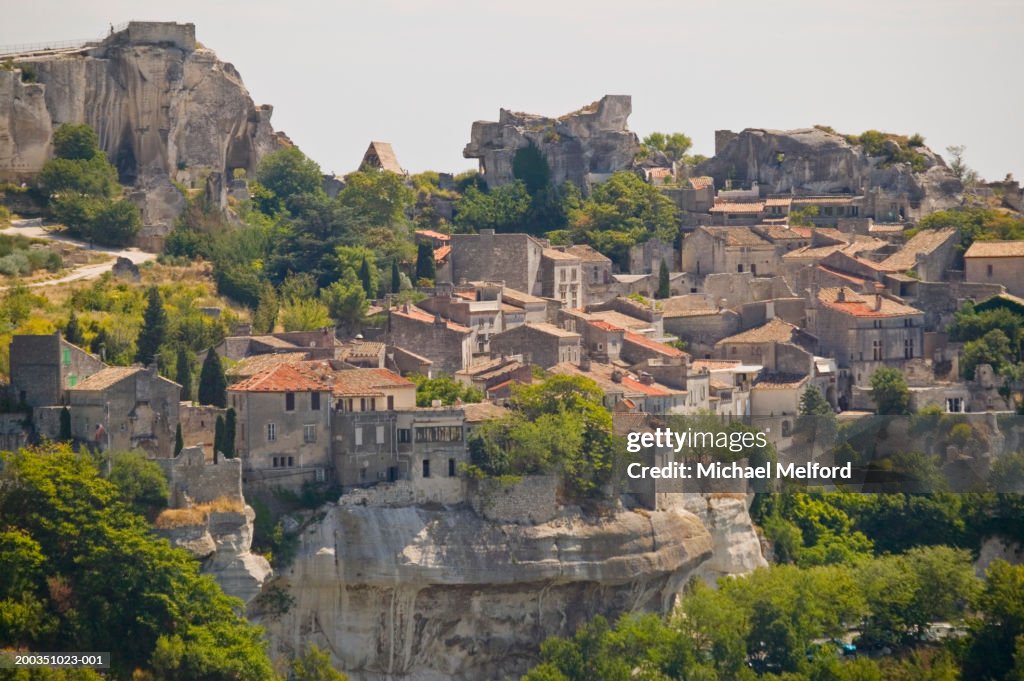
(701,332)
(198,425)
(530,500)
(514,259)
(192,481)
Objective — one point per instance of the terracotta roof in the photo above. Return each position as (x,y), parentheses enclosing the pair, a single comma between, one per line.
(780,382)
(736,236)
(823,200)
(924,242)
(730,207)
(659,172)
(483,411)
(442,253)
(773,331)
(616,318)
(720,385)
(466,295)
(587,254)
(367,382)
(652,389)
(886,227)
(660,348)
(283,378)
(551,329)
(519,298)
(995,249)
(603,325)
(431,234)
(361,349)
(416,314)
(555,254)
(702,182)
(714,364)
(104,378)
(778,201)
(842,275)
(857,305)
(780,232)
(250,366)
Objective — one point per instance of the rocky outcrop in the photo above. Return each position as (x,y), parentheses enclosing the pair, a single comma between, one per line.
(817,161)
(165,108)
(736,548)
(580,147)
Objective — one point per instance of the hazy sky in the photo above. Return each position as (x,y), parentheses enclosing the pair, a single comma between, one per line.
(417,73)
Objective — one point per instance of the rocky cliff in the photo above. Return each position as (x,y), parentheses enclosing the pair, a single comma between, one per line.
(818,161)
(579,147)
(422,594)
(165,108)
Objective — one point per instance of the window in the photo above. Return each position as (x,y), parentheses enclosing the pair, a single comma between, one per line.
(877,323)
(391,402)
(405,435)
(876,350)
(562,276)
(908,348)
(291,461)
(988,269)
(359,437)
(275,462)
(451,468)
(314,401)
(574,275)
(753,269)
(271,432)
(380,435)
(72,380)
(66,352)
(309,432)
(739,268)
(908,322)
(289,401)
(439,434)
(426,468)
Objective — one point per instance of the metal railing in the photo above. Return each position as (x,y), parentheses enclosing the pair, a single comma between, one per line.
(55,45)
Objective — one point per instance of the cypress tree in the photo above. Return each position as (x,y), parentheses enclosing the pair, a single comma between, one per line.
(184,373)
(65,425)
(265,317)
(664,291)
(229,434)
(73,331)
(364,277)
(396,281)
(213,385)
(218,437)
(154,328)
(179,441)
(425,262)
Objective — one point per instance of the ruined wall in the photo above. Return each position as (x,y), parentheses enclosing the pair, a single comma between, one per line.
(528,501)
(191,480)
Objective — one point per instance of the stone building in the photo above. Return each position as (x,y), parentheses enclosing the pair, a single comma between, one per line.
(514,259)
(998,262)
(283,430)
(542,344)
(380,156)
(447,344)
(758,345)
(646,258)
(709,250)
(929,254)
(124,408)
(596,274)
(561,277)
(44,367)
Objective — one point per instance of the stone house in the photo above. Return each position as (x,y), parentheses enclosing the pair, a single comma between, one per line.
(778,395)
(44,367)
(283,433)
(596,274)
(561,277)
(496,377)
(447,344)
(646,258)
(929,254)
(602,341)
(701,327)
(533,308)
(539,343)
(709,250)
(514,259)
(637,348)
(471,309)
(124,408)
(730,383)
(758,345)
(999,262)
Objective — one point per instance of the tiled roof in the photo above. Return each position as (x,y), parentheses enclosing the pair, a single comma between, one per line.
(659,172)
(603,325)
(778,201)
(587,254)
(283,378)
(483,411)
(273,342)
(416,314)
(730,207)
(823,200)
(995,249)
(652,389)
(250,366)
(519,298)
(702,312)
(702,182)
(551,329)
(367,382)
(780,232)
(660,348)
(714,364)
(924,242)
(361,349)
(104,378)
(857,305)
(773,331)
(555,254)
(736,236)
(431,234)
(442,253)
(842,275)
(619,319)
(780,382)
(886,228)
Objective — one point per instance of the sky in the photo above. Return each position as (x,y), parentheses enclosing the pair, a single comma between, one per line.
(417,73)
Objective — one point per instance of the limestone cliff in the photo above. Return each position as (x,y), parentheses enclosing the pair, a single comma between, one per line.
(579,147)
(164,108)
(817,161)
(423,594)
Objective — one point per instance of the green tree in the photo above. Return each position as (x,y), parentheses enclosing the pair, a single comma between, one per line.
(503,209)
(264,319)
(425,265)
(443,388)
(377,198)
(154,328)
(219,425)
(345,300)
(993,348)
(288,174)
(76,142)
(73,331)
(213,384)
(530,166)
(179,440)
(304,314)
(664,290)
(995,644)
(365,279)
(674,145)
(230,429)
(396,279)
(314,665)
(890,392)
(183,372)
(116,223)
(141,484)
(65,425)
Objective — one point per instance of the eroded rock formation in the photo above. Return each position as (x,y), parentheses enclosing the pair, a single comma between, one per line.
(422,594)
(579,147)
(165,108)
(816,161)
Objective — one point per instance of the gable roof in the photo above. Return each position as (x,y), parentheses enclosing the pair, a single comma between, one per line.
(773,331)
(381,155)
(857,305)
(417,315)
(702,182)
(587,254)
(104,378)
(250,366)
(283,378)
(660,348)
(925,242)
(736,236)
(995,249)
(731,207)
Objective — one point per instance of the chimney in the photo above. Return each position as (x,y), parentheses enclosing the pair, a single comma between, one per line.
(646,378)
(841,296)
(584,362)
(878,296)
(616,376)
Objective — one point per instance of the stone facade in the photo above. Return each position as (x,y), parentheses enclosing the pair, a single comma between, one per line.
(514,259)
(447,344)
(543,344)
(191,480)
(997,263)
(44,367)
(531,500)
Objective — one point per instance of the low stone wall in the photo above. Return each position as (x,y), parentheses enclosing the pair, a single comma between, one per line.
(449,492)
(532,499)
(191,479)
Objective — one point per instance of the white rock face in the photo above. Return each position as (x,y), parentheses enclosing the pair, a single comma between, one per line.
(737,548)
(998,548)
(421,595)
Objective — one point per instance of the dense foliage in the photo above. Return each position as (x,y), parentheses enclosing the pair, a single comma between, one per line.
(444,389)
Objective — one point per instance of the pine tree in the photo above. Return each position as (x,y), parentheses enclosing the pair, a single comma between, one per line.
(265,317)
(65,425)
(229,434)
(154,328)
(396,279)
(179,440)
(213,385)
(425,262)
(73,331)
(183,374)
(364,277)
(218,436)
(664,291)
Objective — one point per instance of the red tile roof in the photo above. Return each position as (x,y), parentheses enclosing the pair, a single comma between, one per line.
(367,382)
(726,207)
(660,348)
(842,275)
(431,234)
(652,389)
(603,325)
(702,182)
(418,315)
(283,378)
(773,331)
(442,253)
(857,305)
